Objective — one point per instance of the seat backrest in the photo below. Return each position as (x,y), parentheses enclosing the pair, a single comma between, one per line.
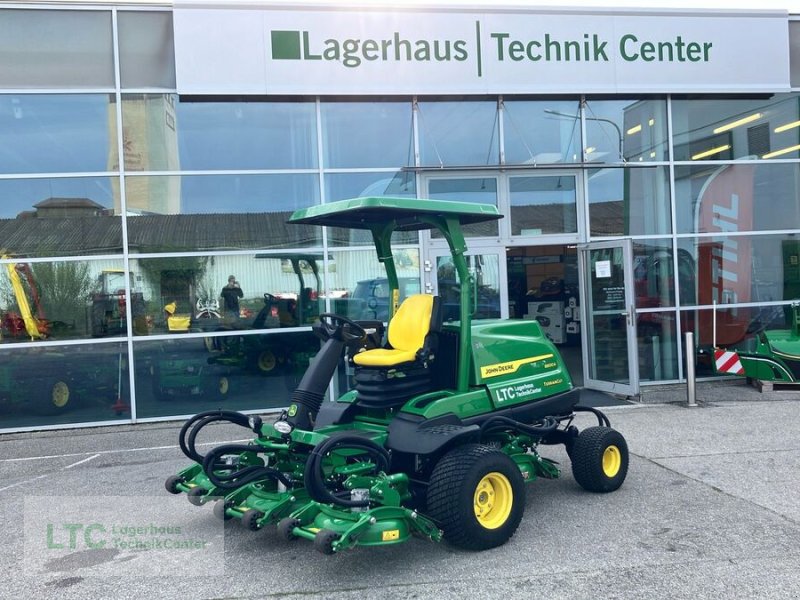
(412,323)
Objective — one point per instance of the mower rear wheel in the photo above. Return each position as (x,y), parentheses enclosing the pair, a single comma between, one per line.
(171,484)
(324,539)
(286,528)
(250,519)
(195,495)
(600,459)
(477,496)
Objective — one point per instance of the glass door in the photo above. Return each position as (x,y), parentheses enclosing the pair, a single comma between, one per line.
(487,271)
(609,349)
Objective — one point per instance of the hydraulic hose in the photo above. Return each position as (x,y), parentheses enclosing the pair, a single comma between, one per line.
(200,420)
(314,475)
(548,426)
(601,418)
(237,477)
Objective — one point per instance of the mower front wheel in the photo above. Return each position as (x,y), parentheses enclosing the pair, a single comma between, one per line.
(219,511)
(171,484)
(477,496)
(324,539)
(286,528)
(195,496)
(250,519)
(600,459)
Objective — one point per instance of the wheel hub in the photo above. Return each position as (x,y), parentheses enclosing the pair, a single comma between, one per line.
(612,461)
(492,500)
(60,394)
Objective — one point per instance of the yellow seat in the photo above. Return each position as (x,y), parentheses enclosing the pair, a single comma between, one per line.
(407,331)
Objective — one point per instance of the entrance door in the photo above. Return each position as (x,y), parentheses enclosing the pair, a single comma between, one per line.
(488,272)
(609,349)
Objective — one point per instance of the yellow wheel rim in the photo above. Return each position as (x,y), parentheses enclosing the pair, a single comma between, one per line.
(612,461)
(493,500)
(266,361)
(223,385)
(59,395)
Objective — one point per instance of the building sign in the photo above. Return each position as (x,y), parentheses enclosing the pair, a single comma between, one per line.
(327,51)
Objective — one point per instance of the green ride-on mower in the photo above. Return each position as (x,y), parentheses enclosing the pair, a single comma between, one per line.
(440,434)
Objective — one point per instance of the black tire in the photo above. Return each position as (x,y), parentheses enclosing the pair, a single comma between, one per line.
(286,527)
(219,511)
(600,459)
(250,519)
(477,497)
(323,541)
(195,496)
(171,484)
(218,388)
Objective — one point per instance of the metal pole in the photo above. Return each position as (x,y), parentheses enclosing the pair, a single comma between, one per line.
(690,375)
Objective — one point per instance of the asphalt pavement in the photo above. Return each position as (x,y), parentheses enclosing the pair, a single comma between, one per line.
(709,509)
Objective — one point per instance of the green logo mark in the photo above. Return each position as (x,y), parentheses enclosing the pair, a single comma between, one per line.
(286,45)
(293,410)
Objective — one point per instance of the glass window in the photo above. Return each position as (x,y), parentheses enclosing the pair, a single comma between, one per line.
(543,204)
(794,53)
(359,288)
(195,293)
(472,189)
(738,197)
(55,49)
(542,132)
(70,384)
(186,376)
(60,216)
(203,212)
(340,186)
(62,300)
(458,133)
(658,353)
(744,268)
(653,274)
(629,201)
(722,129)
(625,131)
(162,134)
(146,49)
(367,134)
(57,133)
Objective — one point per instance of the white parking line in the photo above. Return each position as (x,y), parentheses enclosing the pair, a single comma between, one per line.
(75,464)
(101,452)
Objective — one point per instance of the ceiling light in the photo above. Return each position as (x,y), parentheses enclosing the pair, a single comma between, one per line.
(742,121)
(634,129)
(781,151)
(711,152)
(788,126)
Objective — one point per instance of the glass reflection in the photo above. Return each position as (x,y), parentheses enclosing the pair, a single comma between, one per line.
(71,384)
(65,300)
(359,289)
(722,129)
(543,204)
(247,372)
(165,134)
(458,133)
(629,201)
(467,189)
(340,186)
(767,196)
(542,132)
(367,134)
(653,274)
(658,353)
(66,133)
(193,294)
(740,269)
(625,130)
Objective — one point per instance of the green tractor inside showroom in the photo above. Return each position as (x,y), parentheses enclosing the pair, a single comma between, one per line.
(439,435)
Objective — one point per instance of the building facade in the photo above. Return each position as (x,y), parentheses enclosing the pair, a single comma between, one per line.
(647,164)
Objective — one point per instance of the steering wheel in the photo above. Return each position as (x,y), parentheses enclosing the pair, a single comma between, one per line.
(340,328)
(269,298)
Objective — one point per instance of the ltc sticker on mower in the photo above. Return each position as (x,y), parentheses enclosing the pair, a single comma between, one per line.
(517,392)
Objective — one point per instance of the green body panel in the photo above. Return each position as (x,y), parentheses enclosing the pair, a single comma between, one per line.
(516,362)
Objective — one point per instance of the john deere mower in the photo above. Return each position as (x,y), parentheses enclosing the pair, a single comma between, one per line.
(439,435)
